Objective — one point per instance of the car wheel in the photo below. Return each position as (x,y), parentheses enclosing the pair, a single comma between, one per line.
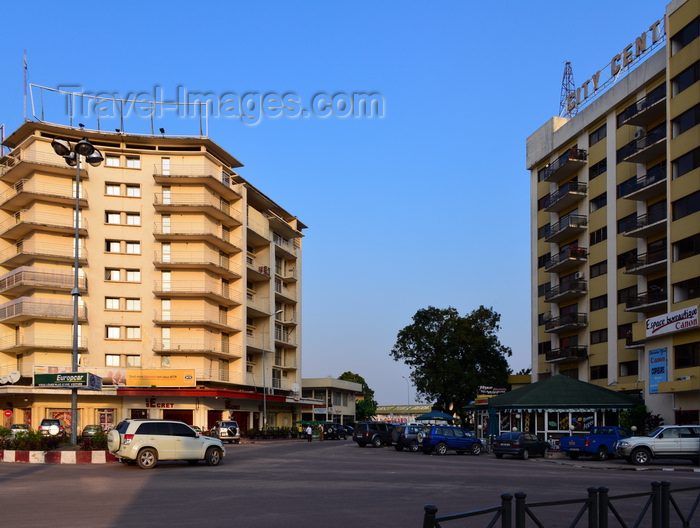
(526,454)
(377,442)
(441,448)
(641,456)
(499,455)
(573,456)
(602,454)
(476,449)
(147,458)
(398,447)
(414,446)
(213,456)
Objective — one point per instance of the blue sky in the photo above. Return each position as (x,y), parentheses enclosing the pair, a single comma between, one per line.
(425,206)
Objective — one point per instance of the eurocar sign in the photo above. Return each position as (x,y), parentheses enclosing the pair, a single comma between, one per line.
(69,380)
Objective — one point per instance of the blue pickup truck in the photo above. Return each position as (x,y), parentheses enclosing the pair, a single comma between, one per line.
(599,442)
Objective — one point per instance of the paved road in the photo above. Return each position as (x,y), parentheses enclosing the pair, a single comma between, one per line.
(296,484)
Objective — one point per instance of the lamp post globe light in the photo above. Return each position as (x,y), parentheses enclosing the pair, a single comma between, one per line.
(71,155)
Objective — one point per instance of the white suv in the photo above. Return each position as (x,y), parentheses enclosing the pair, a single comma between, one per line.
(227,430)
(146,441)
(666,441)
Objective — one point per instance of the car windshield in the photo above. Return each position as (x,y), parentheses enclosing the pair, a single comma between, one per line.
(655,432)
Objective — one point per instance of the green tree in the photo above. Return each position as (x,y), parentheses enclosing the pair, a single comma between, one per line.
(451,356)
(365,409)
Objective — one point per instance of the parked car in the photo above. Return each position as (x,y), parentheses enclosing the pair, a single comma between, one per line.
(406,436)
(197,428)
(375,433)
(227,431)
(599,442)
(519,444)
(19,428)
(667,441)
(146,441)
(52,427)
(90,431)
(335,431)
(444,438)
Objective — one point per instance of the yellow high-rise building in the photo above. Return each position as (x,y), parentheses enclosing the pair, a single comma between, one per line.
(190,283)
(615,215)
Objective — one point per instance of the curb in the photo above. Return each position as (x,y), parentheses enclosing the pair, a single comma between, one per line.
(582,464)
(57,457)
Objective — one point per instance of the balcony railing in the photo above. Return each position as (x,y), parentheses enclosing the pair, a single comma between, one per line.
(566,322)
(647,301)
(22,162)
(567,227)
(648,224)
(197,346)
(567,195)
(26,191)
(290,247)
(198,231)
(194,317)
(205,173)
(258,266)
(649,185)
(285,337)
(25,308)
(259,341)
(27,220)
(646,110)
(286,292)
(646,148)
(567,259)
(258,302)
(258,228)
(27,340)
(194,202)
(577,352)
(647,262)
(198,288)
(569,289)
(568,163)
(26,278)
(209,260)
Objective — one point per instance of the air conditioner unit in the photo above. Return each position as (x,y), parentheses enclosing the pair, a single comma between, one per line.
(640,133)
(578,275)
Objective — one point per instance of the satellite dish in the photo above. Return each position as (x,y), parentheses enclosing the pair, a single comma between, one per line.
(4,379)
(295,389)
(547,316)
(14,376)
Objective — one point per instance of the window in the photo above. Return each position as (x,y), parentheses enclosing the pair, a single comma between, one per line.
(133,305)
(133,219)
(133,361)
(629,368)
(542,173)
(113,218)
(112,189)
(133,191)
(685,121)
(543,289)
(599,201)
(598,303)
(687,289)
(601,268)
(686,206)
(112,274)
(685,36)
(133,248)
(111,160)
(112,360)
(544,348)
(627,223)
(112,246)
(626,294)
(599,235)
(599,336)
(624,330)
(626,187)
(597,135)
(165,361)
(685,79)
(687,355)
(133,275)
(543,260)
(597,169)
(133,332)
(133,162)
(543,202)
(628,257)
(111,303)
(686,163)
(686,248)
(112,332)
(599,372)
(543,231)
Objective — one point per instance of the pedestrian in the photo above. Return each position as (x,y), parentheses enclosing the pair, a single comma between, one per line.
(309,433)
(320,432)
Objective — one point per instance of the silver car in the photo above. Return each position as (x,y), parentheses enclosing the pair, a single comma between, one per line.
(669,441)
(145,442)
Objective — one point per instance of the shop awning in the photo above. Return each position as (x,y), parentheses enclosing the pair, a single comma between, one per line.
(560,393)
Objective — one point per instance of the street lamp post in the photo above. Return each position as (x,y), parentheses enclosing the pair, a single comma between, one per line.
(408,391)
(263,376)
(62,147)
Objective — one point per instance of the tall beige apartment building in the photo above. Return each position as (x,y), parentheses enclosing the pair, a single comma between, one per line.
(190,282)
(615,215)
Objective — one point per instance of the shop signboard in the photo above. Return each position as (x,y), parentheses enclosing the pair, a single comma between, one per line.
(658,372)
(68,380)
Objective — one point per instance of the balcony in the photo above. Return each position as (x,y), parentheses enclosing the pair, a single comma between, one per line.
(647,263)
(632,344)
(567,290)
(198,289)
(258,306)
(575,353)
(209,175)
(567,164)
(290,248)
(285,293)
(198,231)
(27,251)
(257,269)
(25,279)
(566,323)
(648,224)
(645,111)
(568,227)
(198,203)
(285,338)
(26,191)
(567,195)
(645,149)
(647,302)
(286,273)
(198,260)
(28,308)
(259,342)
(20,164)
(652,184)
(24,222)
(281,226)
(570,258)
(258,234)
(198,317)
(24,341)
(210,347)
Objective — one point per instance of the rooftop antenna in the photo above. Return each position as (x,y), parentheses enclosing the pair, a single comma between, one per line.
(25,84)
(568,92)
(2,140)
